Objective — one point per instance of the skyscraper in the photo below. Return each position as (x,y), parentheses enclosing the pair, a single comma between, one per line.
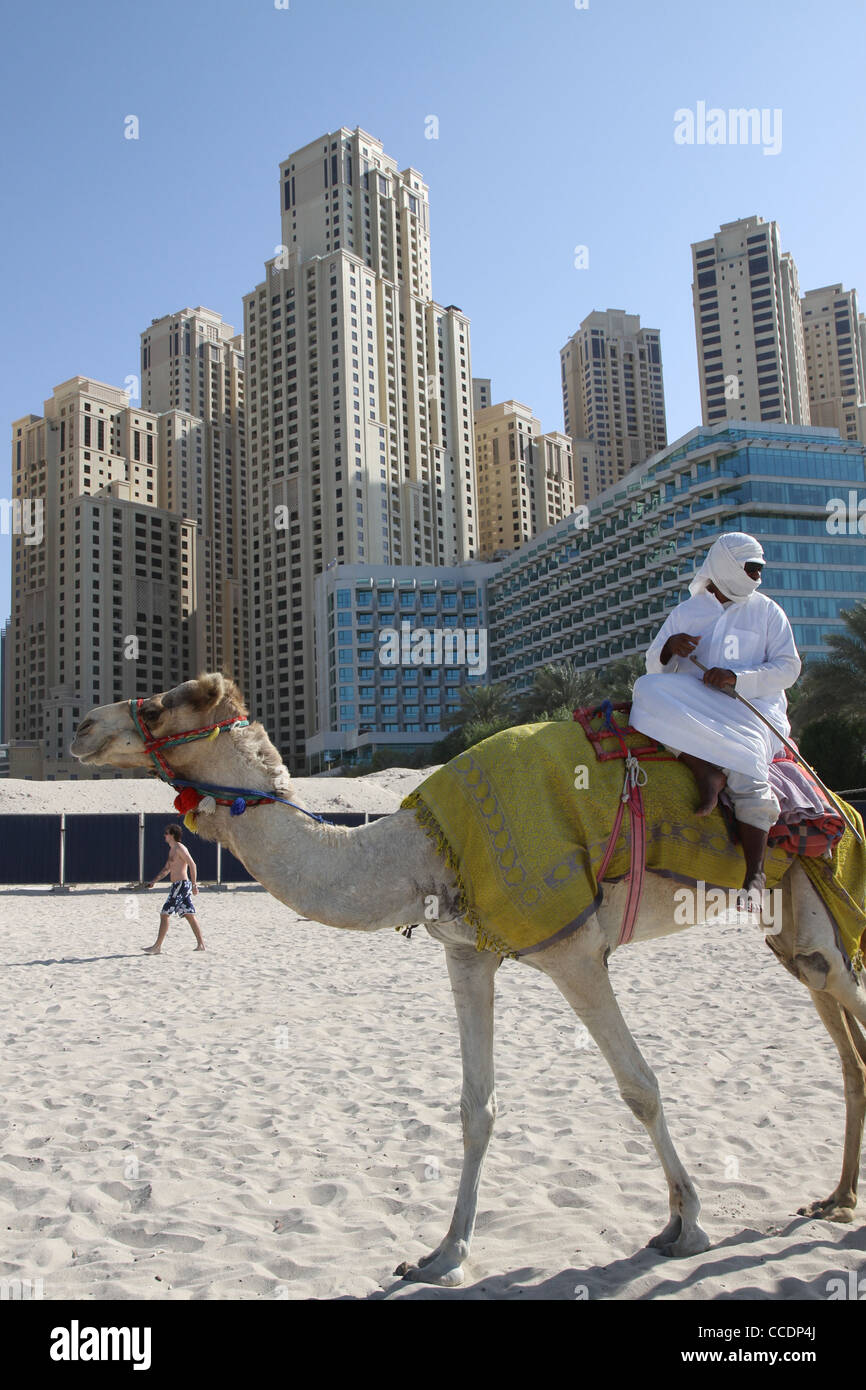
(835,337)
(104,595)
(525,478)
(360,407)
(748,326)
(482,395)
(192,374)
(613,395)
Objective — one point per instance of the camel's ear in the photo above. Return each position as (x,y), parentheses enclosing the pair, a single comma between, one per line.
(200,695)
(207,691)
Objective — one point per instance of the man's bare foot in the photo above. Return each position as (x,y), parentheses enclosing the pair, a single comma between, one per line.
(751,902)
(750,897)
(710,780)
(199,948)
(152,951)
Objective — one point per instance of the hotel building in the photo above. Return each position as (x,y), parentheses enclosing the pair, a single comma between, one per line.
(380,684)
(594,593)
(601,592)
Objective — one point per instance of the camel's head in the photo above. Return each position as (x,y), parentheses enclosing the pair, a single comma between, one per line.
(108,735)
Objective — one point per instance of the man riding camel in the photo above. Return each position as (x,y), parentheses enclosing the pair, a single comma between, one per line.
(746,641)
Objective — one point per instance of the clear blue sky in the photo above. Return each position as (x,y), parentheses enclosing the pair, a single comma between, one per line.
(555,130)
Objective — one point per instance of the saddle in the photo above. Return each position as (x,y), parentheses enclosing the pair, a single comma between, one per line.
(810,835)
(523,819)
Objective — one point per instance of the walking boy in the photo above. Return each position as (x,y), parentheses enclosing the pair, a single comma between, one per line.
(179,898)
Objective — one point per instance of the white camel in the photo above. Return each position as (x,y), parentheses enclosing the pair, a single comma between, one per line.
(381,875)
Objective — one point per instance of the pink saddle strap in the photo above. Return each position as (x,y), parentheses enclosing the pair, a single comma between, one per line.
(635,777)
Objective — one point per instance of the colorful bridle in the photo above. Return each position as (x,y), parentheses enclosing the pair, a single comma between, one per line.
(195,795)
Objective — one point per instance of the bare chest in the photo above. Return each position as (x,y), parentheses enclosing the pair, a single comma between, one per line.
(176,866)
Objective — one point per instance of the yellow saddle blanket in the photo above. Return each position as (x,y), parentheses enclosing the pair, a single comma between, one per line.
(524,819)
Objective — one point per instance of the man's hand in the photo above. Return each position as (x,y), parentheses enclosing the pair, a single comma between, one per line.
(195,887)
(679,645)
(719,677)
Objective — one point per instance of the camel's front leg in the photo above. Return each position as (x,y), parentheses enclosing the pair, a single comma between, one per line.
(471,973)
(585,982)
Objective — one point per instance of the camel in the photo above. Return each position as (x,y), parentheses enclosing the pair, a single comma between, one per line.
(386,875)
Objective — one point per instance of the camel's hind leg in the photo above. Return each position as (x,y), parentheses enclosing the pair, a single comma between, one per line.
(471,973)
(808,947)
(843,1030)
(579,971)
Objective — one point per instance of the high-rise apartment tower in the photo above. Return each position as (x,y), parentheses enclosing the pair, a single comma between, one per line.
(192,375)
(748,326)
(613,395)
(835,336)
(359,392)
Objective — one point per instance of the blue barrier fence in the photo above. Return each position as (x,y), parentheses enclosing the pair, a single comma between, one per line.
(127,848)
(29,849)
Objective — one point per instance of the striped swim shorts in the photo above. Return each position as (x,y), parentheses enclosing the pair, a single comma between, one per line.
(179,898)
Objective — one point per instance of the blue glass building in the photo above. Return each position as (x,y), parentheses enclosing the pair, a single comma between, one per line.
(394,647)
(598,586)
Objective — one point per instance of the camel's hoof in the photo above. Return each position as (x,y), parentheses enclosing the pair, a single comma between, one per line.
(676,1246)
(432,1273)
(828,1210)
(666,1237)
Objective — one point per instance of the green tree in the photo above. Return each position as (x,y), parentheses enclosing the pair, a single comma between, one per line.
(554,687)
(560,689)
(836,748)
(484,710)
(481,703)
(616,681)
(837,684)
(468,734)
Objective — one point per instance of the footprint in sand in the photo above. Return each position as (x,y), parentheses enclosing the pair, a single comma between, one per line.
(324,1193)
(565,1197)
(138,1239)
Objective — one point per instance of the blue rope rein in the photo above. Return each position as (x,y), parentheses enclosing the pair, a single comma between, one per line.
(154,746)
(248,793)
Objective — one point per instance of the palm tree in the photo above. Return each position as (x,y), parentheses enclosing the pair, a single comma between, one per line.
(617,680)
(557,690)
(836,686)
(565,685)
(465,735)
(482,704)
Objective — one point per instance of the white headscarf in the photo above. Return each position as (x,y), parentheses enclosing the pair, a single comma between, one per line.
(724,567)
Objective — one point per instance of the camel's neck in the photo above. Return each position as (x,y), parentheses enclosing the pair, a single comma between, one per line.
(325,873)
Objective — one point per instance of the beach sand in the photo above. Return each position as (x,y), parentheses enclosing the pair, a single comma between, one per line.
(378,791)
(278,1118)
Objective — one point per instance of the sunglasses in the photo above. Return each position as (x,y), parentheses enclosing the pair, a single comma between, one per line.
(753,569)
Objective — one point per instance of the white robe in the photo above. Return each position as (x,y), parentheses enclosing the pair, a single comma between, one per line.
(671,703)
